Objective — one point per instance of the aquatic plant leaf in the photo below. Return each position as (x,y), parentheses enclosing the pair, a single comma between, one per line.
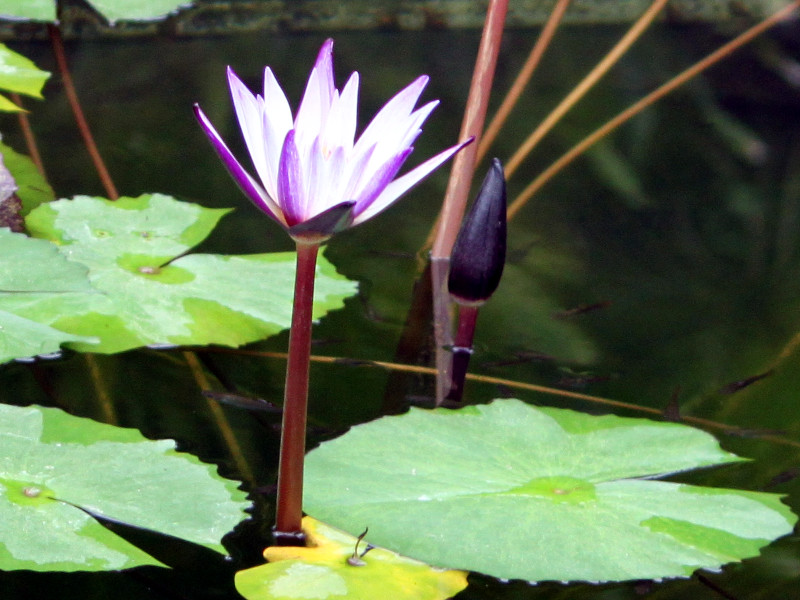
(32,188)
(22,338)
(320,571)
(150,290)
(18,74)
(52,463)
(537,494)
(35,269)
(33,10)
(137,10)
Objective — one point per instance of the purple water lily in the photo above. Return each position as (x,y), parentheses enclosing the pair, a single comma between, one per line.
(315,179)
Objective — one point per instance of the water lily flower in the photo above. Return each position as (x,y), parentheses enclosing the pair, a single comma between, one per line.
(314,178)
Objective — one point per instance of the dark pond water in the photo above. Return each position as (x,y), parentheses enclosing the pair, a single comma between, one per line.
(684,228)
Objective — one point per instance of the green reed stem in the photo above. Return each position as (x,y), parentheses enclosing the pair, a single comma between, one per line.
(295,404)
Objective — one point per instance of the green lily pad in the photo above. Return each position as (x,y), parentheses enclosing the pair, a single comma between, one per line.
(538,494)
(19,74)
(150,290)
(321,571)
(35,269)
(51,463)
(22,338)
(33,10)
(113,10)
(137,10)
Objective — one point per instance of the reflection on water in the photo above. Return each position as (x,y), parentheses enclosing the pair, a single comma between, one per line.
(682,233)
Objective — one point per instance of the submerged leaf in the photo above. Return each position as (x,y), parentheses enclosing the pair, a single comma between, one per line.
(51,463)
(322,571)
(539,494)
(150,290)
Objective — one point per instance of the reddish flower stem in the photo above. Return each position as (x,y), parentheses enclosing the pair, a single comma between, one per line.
(462,349)
(295,404)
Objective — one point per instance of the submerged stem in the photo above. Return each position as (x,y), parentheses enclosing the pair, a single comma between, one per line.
(295,404)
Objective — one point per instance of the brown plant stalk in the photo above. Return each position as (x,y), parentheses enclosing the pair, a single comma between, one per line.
(633,110)
(523,78)
(580,90)
(519,385)
(77,112)
(455,199)
(27,134)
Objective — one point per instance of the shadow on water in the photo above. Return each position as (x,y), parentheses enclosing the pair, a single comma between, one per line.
(682,231)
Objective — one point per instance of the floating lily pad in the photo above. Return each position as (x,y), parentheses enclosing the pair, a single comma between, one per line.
(33,10)
(35,269)
(321,571)
(18,74)
(137,10)
(113,10)
(537,494)
(149,290)
(51,463)
(23,338)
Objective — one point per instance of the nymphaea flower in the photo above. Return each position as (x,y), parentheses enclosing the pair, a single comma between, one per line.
(315,178)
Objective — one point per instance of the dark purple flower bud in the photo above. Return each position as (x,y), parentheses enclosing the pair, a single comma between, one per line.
(479,254)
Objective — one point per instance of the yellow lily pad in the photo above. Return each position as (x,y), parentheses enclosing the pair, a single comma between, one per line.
(321,571)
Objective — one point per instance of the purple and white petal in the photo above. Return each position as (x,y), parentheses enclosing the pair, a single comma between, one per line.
(291,192)
(378,182)
(333,184)
(317,176)
(402,184)
(248,110)
(277,118)
(324,65)
(249,186)
(355,175)
(340,127)
(393,114)
(317,99)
